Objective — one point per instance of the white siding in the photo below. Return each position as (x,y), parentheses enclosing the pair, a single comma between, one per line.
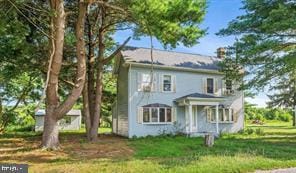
(75,123)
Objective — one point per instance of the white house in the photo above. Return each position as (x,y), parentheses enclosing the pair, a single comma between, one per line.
(179,93)
(71,121)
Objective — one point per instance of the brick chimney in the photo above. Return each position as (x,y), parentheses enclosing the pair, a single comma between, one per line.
(221,52)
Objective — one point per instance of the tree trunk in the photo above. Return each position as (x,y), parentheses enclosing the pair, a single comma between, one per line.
(94,91)
(89,91)
(86,110)
(209,140)
(55,110)
(1,117)
(50,138)
(98,103)
(95,68)
(294,117)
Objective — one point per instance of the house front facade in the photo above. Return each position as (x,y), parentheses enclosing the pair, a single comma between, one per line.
(177,93)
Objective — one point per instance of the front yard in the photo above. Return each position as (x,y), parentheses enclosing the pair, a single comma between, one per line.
(274,147)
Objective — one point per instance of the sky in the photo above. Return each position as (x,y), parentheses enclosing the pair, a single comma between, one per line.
(219,14)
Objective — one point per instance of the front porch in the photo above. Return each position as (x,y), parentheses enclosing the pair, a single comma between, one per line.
(195,106)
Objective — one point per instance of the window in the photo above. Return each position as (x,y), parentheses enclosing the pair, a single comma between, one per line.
(162,115)
(154,114)
(146,82)
(157,113)
(169,115)
(227,118)
(146,115)
(228,85)
(221,115)
(167,83)
(210,85)
(224,115)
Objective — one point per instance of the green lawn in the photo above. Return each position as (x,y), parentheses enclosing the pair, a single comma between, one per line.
(275,148)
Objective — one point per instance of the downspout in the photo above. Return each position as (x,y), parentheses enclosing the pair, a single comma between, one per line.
(243,101)
(129,99)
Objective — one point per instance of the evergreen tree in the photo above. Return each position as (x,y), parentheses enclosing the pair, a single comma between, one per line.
(285,95)
(267,34)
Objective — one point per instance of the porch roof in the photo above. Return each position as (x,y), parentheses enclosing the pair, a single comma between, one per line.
(199,97)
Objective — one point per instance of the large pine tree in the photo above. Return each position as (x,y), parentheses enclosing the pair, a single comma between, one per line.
(285,95)
(267,34)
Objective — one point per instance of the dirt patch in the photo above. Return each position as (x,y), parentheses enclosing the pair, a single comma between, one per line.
(108,146)
(74,147)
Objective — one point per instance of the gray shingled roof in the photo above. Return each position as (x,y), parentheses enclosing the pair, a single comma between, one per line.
(170,58)
(198,95)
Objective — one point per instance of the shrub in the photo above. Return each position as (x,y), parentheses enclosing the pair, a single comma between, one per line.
(259,117)
(270,114)
(249,131)
(242,131)
(259,132)
(284,116)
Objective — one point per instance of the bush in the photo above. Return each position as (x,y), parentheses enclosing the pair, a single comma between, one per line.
(259,132)
(270,114)
(259,117)
(285,116)
(249,131)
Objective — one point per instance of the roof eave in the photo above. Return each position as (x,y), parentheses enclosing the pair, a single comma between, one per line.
(201,99)
(175,68)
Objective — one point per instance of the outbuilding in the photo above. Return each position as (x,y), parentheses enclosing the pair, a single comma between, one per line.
(71,121)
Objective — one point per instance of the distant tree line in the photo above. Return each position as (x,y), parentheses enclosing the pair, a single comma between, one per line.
(262,114)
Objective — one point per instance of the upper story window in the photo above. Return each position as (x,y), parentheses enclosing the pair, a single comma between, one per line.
(155,113)
(168,83)
(228,87)
(228,84)
(210,85)
(146,82)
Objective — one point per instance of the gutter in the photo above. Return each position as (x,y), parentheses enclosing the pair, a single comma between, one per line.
(174,68)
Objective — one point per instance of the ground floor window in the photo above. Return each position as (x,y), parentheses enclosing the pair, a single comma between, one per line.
(157,114)
(224,115)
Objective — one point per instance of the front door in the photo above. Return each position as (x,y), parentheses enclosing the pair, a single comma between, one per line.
(194,119)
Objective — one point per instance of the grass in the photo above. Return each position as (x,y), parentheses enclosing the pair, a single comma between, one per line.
(275,147)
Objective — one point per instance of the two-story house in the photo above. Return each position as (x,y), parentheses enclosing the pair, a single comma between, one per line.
(177,93)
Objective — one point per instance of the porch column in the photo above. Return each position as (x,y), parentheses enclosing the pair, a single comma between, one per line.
(217,119)
(190,117)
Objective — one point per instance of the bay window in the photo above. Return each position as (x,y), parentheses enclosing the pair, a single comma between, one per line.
(156,113)
(225,115)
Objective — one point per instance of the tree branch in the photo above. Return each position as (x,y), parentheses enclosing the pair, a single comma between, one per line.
(107,60)
(103,3)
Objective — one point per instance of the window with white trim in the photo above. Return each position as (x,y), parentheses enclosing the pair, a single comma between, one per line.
(157,114)
(228,84)
(146,82)
(210,85)
(224,115)
(167,83)
(228,87)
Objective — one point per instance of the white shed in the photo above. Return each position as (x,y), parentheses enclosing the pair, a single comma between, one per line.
(71,121)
